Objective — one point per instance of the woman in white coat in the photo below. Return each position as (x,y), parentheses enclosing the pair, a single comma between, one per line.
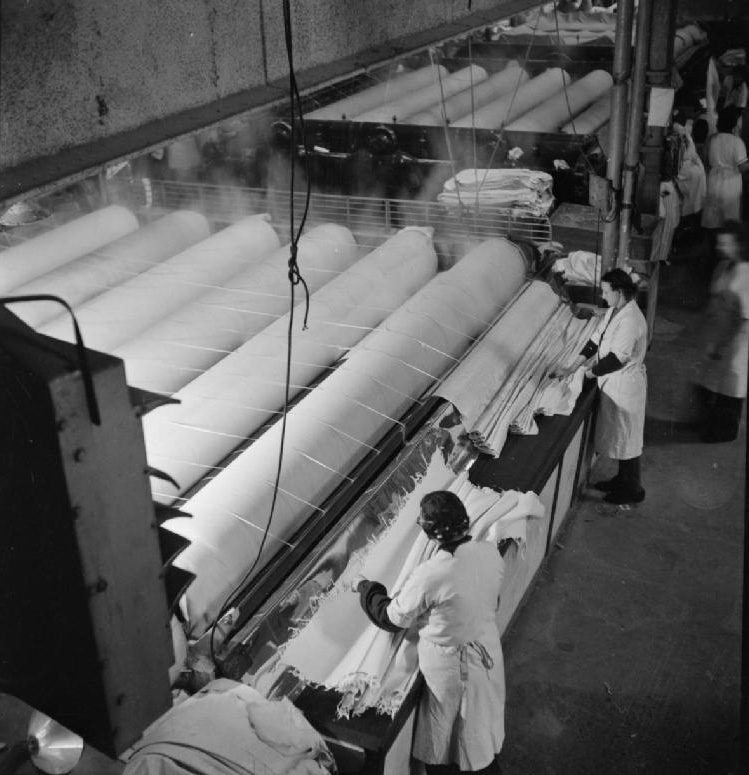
(452,599)
(615,356)
(726,339)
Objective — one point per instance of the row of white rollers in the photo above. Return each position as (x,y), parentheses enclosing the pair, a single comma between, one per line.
(204,317)
(470,97)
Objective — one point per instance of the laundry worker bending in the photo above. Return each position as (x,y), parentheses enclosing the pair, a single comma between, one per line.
(452,599)
(615,356)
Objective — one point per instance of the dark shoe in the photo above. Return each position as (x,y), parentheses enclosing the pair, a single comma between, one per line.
(608,485)
(620,497)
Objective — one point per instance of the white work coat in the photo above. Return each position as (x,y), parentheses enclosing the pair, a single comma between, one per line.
(727,323)
(453,599)
(725,152)
(621,415)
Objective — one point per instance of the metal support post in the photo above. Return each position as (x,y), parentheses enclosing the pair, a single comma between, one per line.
(619,106)
(634,130)
(660,63)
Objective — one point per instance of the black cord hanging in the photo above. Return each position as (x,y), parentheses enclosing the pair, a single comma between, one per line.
(295,278)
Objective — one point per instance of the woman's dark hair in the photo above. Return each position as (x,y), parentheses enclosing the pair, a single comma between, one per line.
(728,118)
(443,515)
(619,280)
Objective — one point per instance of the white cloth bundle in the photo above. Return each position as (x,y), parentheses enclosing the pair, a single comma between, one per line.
(560,108)
(580,267)
(180,347)
(529,190)
(336,425)
(519,398)
(500,112)
(234,398)
(228,728)
(427,96)
(120,313)
(592,118)
(85,277)
(379,94)
(45,252)
(468,100)
(339,649)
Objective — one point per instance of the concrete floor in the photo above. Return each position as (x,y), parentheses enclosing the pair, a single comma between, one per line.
(627,658)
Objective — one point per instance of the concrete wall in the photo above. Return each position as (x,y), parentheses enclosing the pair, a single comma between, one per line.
(73,72)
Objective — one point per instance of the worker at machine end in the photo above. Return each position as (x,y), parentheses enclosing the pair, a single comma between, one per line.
(615,355)
(452,599)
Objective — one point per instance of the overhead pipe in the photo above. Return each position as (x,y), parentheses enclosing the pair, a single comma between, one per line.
(634,129)
(619,108)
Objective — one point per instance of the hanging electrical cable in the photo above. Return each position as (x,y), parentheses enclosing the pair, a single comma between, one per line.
(295,278)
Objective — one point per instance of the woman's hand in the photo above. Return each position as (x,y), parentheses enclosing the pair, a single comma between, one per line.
(560,372)
(353,585)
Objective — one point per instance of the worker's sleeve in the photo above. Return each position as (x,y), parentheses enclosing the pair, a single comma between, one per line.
(411,602)
(591,348)
(606,365)
(374,599)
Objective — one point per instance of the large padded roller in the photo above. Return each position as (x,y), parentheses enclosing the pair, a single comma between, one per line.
(500,112)
(336,425)
(45,252)
(181,346)
(427,96)
(238,395)
(121,313)
(468,100)
(592,118)
(85,277)
(378,95)
(557,110)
